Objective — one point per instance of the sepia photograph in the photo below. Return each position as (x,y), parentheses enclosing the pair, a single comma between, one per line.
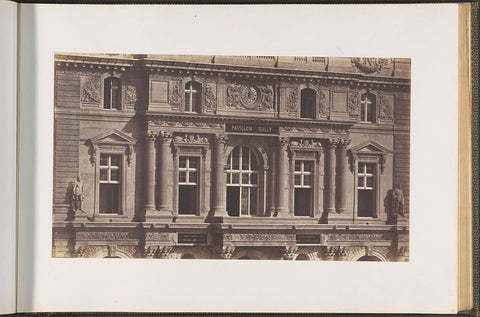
(231,157)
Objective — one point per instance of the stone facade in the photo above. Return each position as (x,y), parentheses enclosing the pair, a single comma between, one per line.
(244,157)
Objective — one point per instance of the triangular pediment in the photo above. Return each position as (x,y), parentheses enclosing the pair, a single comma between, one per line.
(370,147)
(113,136)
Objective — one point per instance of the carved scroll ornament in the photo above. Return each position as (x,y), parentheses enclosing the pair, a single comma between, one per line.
(370,65)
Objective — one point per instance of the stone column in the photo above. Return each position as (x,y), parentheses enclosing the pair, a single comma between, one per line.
(149,177)
(282,160)
(218,186)
(341,179)
(330,177)
(164,139)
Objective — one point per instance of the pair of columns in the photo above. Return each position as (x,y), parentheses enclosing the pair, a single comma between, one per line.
(335,173)
(164,140)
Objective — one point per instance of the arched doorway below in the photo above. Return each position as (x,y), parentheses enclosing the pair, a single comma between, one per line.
(302,257)
(369,258)
(188,256)
(245,257)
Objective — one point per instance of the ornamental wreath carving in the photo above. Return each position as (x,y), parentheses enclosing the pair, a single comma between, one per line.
(292,101)
(91,90)
(370,65)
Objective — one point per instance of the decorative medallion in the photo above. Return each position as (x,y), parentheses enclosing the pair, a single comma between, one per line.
(91,90)
(248,96)
(370,65)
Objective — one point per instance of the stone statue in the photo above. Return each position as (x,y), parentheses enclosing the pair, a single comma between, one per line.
(398,200)
(77,194)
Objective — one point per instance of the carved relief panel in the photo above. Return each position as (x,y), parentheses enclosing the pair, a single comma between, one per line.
(258,97)
(91,90)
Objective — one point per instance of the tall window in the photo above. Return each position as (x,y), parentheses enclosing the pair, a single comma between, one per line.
(110,180)
(192,96)
(307,105)
(242,182)
(112,93)
(366,190)
(187,185)
(303,188)
(368,109)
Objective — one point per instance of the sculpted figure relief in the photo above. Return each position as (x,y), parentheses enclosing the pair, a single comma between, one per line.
(77,194)
(397,200)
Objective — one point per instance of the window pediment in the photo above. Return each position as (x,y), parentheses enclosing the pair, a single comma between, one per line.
(112,139)
(371,151)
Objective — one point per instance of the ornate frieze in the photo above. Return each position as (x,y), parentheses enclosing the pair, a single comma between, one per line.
(370,65)
(292,101)
(158,236)
(190,139)
(187,124)
(130,95)
(95,235)
(258,237)
(306,144)
(90,251)
(354,237)
(91,90)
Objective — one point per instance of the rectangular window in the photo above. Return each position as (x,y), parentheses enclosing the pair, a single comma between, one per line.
(303,188)
(110,182)
(187,185)
(366,190)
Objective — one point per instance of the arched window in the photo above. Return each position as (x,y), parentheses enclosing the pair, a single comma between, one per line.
(112,93)
(369,258)
(188,256)
(368,108)
(193,92)
(242,182)
(307,105)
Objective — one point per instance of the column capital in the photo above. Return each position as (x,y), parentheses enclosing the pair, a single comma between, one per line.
(343,142)
(332,143)
(224,252)
(151,136)
(283,142)
(220,138)
(289,253)
(164,137)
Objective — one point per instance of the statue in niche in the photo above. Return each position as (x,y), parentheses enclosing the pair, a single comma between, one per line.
(77,194)
(398,200)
